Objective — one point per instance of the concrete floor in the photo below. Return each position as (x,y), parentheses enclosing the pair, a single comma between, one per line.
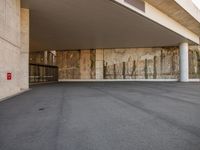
(103,116)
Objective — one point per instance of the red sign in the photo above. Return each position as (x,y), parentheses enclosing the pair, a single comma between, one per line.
(9,76)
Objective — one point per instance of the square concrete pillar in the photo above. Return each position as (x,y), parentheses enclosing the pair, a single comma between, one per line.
(85,64)
(10,47)
(24,53)
(99,64)
(46,57)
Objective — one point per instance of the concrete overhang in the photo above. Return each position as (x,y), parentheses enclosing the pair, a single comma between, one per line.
(183,11)
(93,24)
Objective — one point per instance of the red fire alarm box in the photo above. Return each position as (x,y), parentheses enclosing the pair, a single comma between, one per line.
(9,76)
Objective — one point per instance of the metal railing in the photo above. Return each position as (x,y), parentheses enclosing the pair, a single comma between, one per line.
(42,73)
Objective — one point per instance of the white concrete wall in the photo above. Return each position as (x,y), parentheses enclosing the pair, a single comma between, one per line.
(9,62)
(24,53)
(10,48)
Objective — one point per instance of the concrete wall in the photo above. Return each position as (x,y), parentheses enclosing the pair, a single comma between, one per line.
(76,64)
(11,56)
(43,57)
(37,57)
(24,53)
(141,63)
(134,63)
(87,64)
(9,46)
(99,63)
(194,62)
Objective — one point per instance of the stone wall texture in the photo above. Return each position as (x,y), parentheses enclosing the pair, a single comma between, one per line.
(132,63)
(76,64)
(194,62)
(141,63)
(43,57)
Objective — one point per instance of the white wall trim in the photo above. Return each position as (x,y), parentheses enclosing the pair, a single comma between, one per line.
(194,80)
(125,80)
(118,80)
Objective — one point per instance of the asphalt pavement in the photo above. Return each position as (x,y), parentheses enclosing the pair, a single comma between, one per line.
(103,116)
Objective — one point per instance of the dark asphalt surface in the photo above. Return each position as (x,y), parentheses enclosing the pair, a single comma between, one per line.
(103,116)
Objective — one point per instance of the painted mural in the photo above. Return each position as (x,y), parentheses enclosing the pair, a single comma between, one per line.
(194,62)
(133,63)
(76,64)
(141,63)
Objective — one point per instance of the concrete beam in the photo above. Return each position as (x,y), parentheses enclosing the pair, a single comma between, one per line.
(163,19)
(182,11)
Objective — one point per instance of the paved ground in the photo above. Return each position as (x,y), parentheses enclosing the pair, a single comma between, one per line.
(103,116)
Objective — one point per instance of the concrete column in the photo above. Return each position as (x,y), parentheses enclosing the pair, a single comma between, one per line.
(54,57)
(183,62)
(99,64)
(9,47)
(46,53)
(85,64)
(24,53)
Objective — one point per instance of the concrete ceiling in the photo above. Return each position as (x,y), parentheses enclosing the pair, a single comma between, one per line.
(90,24)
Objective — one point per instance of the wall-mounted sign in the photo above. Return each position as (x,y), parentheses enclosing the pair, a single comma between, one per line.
(139,4)
(9,76)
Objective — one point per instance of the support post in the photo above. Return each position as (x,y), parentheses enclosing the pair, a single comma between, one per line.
(99,64)
(24,54)
(183,62)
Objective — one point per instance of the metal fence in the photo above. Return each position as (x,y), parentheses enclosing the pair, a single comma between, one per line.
(42,73)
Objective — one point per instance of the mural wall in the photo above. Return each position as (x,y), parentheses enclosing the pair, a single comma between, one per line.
(43,57)
(141,63)
(194,62)
(76,64)
(135,63)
